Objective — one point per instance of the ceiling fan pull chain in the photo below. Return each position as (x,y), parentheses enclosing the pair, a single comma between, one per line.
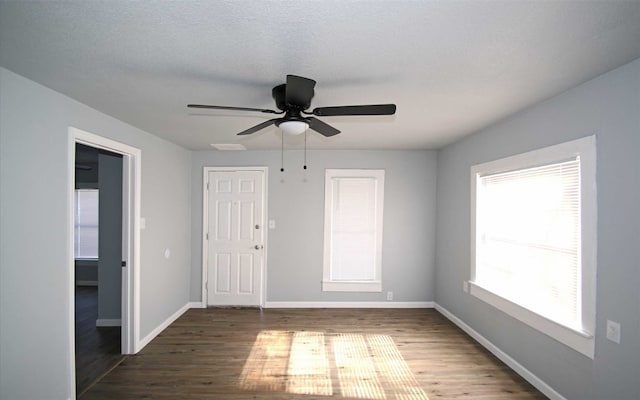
(305,149)
(282,153)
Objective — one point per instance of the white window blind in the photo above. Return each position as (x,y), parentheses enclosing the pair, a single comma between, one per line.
(86,224)
(528,250)
(353,230)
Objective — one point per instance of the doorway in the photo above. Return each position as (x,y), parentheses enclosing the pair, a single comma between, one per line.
(98,254)
(234,237)
(118,314)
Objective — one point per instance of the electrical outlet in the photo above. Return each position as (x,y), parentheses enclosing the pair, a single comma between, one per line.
(389,296)
(613,331)
(465,286)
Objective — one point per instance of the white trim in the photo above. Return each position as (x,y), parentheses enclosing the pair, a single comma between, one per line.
(504,357)
(374,284)
(158,330)
(205,240)
(108,322)
(132,162)
(86,283)
(205,221)
(352,286)
(580,341)
(583,340)
(349,304)
(196,304)
(71,275)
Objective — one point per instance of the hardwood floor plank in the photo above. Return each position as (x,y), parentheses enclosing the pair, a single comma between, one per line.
(412,354)
(97,349)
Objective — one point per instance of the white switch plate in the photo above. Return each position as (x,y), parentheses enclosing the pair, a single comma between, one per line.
(143,223)
(465,286)
(613,331)
(272,224)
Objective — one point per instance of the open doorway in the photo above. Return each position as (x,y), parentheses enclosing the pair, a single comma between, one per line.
(104,289)
(97,253)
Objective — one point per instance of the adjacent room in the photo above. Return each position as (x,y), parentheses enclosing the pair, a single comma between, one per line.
(310,199)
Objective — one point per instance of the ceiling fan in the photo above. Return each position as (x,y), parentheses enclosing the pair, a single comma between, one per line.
(293,98)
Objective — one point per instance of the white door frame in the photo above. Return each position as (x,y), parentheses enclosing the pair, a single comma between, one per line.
(205,224)
(131,174)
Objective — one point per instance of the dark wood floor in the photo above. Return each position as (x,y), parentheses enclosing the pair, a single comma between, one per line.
(97,349)
(412,354)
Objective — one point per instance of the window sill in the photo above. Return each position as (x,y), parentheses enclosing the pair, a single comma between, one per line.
(351,286)
(580,341)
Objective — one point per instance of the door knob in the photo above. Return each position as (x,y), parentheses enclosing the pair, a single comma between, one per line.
(258,247)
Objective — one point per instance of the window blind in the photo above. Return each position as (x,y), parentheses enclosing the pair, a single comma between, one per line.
(86,224)
(353,229)
(528,238)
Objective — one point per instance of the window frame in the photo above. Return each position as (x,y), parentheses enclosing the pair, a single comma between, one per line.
(581,340)
(375,284)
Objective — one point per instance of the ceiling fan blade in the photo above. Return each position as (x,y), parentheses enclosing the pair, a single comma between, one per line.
(261,125)
(299,91)
(232,108)
(321,127)
(374,109)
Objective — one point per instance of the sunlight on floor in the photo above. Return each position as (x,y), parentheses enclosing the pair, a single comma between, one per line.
(301,362)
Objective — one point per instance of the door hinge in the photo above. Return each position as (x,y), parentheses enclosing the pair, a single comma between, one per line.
(207,185)
(207,235)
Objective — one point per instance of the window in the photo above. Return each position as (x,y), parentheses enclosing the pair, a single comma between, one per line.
(86,224)
(353,230)
(533,239)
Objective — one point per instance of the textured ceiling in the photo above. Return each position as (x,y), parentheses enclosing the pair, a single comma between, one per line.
(452,67)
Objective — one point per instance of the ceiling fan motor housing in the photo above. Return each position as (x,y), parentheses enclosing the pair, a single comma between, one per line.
(279,94)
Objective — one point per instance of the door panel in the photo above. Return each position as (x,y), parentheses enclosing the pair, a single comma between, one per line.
(222,272)
(245,271)
(223,220)
(235,252)
(247,219)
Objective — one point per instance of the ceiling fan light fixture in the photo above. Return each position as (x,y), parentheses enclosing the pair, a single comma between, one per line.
(293,127)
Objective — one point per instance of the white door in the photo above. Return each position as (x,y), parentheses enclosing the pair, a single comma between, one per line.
(235,244)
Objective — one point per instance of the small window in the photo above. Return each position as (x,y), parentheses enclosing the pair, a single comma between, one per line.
(353,230)
(86,224)
(534,239)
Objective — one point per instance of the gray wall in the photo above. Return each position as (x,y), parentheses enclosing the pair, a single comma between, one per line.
(609,107)
(110,236)
(34,296)
(296,203)
(87,272)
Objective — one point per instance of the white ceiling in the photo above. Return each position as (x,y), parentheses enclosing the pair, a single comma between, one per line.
(452,67)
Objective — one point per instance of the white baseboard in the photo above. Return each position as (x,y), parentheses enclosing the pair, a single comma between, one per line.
(196,304)
(147,339)
(108,322)
(86,283)
(504,357)
(349,304)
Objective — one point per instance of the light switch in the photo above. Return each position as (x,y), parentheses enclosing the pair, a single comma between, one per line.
(272,224)
(143,223)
